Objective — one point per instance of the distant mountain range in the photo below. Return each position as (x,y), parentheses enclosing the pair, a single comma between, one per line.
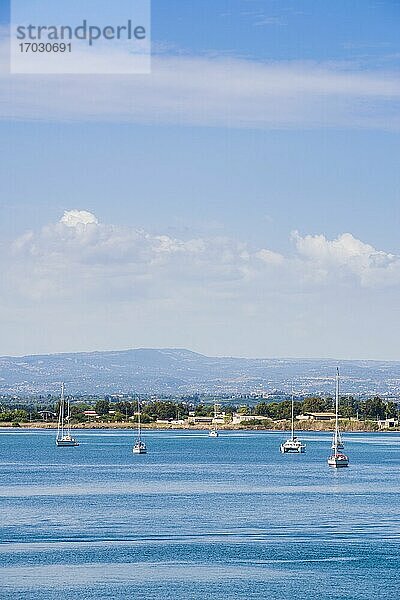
(181,371)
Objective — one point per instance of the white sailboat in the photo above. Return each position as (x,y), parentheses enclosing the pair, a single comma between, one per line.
(214,431)
(139,446)
(64,437)
(293,445)
(337,459)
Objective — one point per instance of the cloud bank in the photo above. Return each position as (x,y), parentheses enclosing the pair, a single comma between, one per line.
(79,254)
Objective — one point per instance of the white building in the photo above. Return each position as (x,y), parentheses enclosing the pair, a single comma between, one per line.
(388,423)
(238,418)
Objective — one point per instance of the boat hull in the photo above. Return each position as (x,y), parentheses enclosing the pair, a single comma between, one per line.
(139,448)
(338,461)
(66,443)
(213,434)
(286,450)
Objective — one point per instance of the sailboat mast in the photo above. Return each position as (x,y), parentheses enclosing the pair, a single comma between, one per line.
(59,425)
(337,409)
(292,414)
(62,410)
(138,406)
(68,418)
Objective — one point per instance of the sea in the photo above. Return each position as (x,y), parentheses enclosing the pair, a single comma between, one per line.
(198,518)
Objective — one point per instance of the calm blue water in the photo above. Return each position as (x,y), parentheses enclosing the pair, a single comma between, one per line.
(197,518)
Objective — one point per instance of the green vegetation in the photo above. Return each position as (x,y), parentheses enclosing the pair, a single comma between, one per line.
(277,410)
(11,416)
(349,407)
(102,407)
(112,410)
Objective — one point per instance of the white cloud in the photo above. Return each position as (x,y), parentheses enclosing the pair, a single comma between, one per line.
(80,255)
(270,257)
(75,218)
(347,256)
(212,91)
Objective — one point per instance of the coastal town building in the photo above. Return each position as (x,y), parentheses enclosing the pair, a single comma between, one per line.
(388,423)
(200,420)
(47,415)
(239,418)
(171,421)
(316,416)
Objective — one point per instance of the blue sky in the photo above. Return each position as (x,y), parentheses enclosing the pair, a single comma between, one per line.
(272,29)
(260,119)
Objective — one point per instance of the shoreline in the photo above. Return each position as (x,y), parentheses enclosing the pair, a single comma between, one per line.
(345,426)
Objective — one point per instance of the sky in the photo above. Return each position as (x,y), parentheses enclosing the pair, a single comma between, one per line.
(241,200)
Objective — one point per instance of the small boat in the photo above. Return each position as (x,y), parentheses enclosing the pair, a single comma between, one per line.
(64,437)
(139,446)
(293,445)
(337,459)
(214,431)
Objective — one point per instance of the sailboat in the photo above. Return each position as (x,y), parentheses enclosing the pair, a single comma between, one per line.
(64,437)
(337,459)
(214,431)
(293,444)
(139,446)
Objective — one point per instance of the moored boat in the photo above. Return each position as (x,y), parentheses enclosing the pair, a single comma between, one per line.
(293,445)
(139,446)
(214,431)
(64,437)
(338,458)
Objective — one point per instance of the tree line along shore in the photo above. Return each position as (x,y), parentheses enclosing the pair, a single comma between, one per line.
(313,413)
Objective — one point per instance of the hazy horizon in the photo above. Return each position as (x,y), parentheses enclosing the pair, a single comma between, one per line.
(173,348)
